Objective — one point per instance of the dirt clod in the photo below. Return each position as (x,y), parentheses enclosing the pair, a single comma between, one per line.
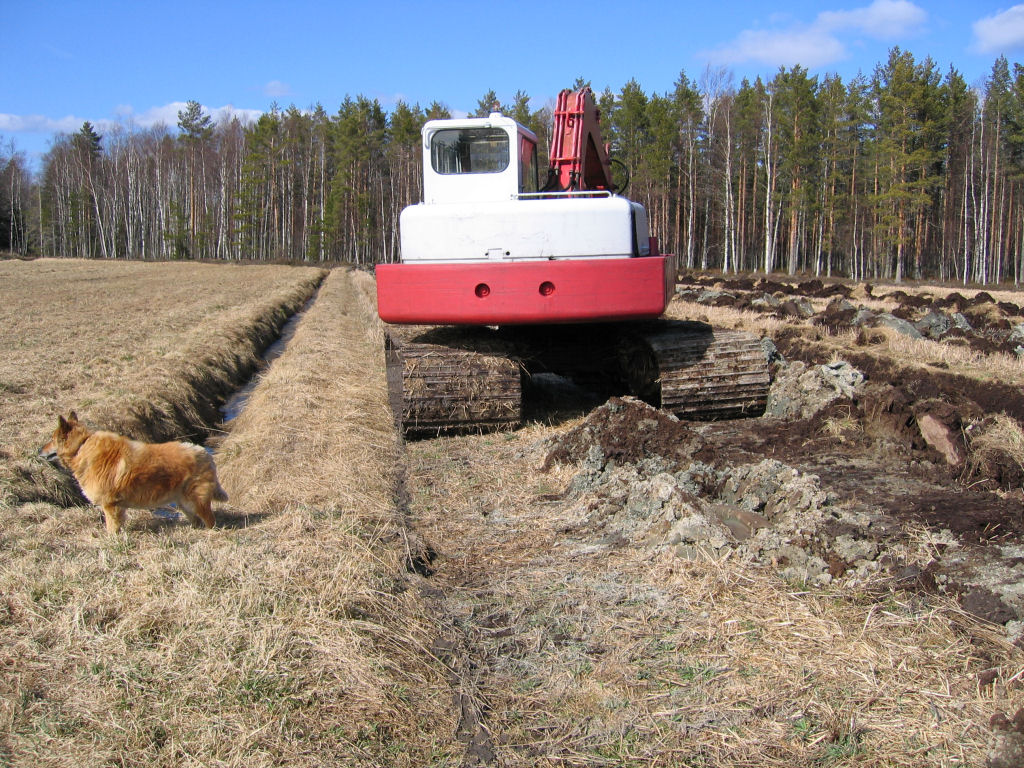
(626,430)
(1006,746)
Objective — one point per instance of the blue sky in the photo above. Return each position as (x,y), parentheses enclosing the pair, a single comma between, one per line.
(136,63)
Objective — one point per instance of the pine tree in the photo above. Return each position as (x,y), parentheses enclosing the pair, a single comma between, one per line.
(196,130)
(1015,150)
(521,109)
(838,154)
(960,107)
(631,125)
(405,165)
(487,104)
(689,119)
(88,153)
(893,91)
(995,115)
(438,111)
(88,142)
(256,209)
(748,116)
(797,109)
(195,125)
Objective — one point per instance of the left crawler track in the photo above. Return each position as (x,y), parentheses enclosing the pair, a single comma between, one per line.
(452,380)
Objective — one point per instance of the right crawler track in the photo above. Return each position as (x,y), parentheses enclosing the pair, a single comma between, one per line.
(698,372)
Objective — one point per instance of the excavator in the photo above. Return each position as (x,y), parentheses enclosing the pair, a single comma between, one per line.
(504,276)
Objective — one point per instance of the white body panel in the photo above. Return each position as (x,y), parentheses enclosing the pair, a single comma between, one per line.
(517,229)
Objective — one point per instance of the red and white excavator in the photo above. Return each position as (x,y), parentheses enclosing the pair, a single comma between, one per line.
(515,277)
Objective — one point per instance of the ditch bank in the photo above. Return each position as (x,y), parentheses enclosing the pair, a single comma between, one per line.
(312,462)
(183,395)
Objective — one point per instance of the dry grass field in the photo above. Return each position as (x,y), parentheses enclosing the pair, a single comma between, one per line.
(436,603)
(285,636)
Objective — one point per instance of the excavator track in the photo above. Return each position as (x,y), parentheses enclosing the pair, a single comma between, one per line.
(470,379)
(452,380)
(697,372)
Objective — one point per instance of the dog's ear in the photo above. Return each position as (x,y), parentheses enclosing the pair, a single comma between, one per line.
(62,426)
(73,417)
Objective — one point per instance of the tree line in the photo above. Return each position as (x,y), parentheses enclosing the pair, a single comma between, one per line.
(908,172)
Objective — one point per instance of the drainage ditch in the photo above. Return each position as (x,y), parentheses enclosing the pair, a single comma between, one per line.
(237,401)
(212,403)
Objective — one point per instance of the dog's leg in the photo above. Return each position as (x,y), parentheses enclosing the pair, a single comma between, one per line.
(114,516)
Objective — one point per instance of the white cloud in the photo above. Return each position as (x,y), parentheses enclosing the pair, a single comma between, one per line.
(1000,33)
(822,41)
(39,124)
(167,114)
(229,111)
(882,20)
(123,115)
(275,89)
(391,99)
(806,46)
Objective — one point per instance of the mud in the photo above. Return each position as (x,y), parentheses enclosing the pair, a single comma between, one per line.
(860,471)
(980,322)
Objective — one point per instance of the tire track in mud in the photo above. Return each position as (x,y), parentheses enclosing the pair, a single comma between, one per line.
(453,646)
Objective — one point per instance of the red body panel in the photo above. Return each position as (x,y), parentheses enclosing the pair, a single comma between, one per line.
(526,292)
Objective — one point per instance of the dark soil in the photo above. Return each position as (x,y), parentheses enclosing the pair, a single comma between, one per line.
(869,454)
(626,433)
(983,324)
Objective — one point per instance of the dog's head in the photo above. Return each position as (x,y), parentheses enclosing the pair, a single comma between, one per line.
(66,439)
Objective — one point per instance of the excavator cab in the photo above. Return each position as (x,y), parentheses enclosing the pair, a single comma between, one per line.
(481,159)
(487,246)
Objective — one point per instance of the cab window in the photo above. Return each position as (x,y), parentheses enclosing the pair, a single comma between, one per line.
(527,165)
(469,150)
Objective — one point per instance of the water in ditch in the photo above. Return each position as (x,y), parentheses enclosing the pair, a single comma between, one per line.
(236,403)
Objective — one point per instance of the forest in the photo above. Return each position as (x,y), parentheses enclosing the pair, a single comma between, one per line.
(908,172)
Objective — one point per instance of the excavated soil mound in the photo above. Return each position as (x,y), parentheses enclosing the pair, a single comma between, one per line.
(981,322)
(844,479)
(640,486)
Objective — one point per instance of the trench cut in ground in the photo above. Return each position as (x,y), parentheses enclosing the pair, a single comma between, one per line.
(127,374)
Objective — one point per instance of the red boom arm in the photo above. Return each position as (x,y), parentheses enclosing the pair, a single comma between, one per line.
(579,160)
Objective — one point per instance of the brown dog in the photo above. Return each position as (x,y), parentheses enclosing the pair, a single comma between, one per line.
(116,472)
